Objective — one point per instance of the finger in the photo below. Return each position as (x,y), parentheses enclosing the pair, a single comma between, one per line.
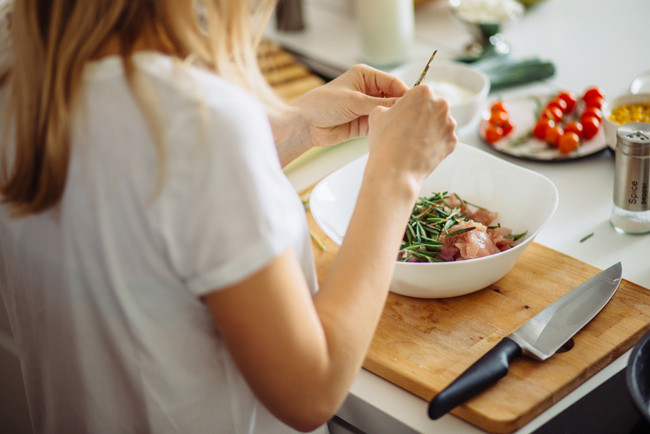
(359,127)
(379,83)
(385,102)
(377,112)
(390,85)
(369,103)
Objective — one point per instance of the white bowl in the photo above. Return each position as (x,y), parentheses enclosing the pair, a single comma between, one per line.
(610,126)
(525,201)
(447,76)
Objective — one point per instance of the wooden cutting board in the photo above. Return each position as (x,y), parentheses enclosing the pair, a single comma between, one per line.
(422,345)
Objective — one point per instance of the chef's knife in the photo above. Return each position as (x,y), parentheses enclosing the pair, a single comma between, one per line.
(539,338)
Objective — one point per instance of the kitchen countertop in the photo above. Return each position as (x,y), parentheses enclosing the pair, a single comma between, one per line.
(591,42)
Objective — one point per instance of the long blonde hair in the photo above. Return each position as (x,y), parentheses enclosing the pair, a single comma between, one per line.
(51,42)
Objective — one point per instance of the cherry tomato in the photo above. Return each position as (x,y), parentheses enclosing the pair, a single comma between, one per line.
(493,133)
(540,127)
(500,106)
(592,111)
(559,103)
(590,125)
(553,113)
(553,134)
(591,93)
(568,142)
(498,117)
(507,127)
(595,102)
(570,98)
(574,127)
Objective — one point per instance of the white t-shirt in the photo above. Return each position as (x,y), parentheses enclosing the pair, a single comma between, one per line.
(103,291)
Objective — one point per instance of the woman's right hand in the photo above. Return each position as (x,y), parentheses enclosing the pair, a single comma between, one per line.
(409,139)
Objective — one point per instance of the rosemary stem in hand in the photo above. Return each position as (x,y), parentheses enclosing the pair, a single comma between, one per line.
(426,69)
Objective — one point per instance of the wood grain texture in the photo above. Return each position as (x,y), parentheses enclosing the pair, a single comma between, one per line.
(421,345)
(288,78)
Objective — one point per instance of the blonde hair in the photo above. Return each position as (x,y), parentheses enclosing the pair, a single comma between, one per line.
(51,42)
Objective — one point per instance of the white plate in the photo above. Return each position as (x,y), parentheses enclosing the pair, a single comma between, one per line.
(520,142)
(524,199)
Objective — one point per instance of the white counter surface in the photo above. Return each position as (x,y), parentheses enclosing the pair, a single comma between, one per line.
(591,42)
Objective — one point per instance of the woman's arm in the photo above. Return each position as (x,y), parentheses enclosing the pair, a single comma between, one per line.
(300,355)
(335,112)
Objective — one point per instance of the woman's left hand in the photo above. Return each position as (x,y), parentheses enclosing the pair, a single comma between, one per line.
(335,112)
(338,111)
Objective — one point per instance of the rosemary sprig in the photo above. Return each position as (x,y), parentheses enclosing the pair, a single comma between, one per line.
(426,69)
(460,231)
(527,135)
(521,140)
(586,237)
(516,237)
(431,217)
(318,241)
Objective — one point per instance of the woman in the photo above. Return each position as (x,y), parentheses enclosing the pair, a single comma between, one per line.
(155,261)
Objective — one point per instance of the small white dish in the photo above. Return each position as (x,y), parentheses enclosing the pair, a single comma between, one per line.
(610,126)
(525,201)
(465,87)
(485,21)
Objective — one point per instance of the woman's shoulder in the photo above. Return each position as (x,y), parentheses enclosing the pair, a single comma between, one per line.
(196,85)
(189,106)
(176,84)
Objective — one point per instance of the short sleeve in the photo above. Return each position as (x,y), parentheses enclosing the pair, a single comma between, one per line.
(228,208)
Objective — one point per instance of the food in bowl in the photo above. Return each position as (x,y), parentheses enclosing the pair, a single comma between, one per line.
(525,200)
(627,113)
(444,227)
(628,108)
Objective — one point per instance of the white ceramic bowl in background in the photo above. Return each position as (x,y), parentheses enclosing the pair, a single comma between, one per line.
(525,201)
(445,72)
(610,126)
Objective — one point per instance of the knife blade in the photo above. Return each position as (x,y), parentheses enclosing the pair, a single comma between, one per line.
(539,338)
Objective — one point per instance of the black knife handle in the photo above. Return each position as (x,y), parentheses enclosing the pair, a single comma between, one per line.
(484,373)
